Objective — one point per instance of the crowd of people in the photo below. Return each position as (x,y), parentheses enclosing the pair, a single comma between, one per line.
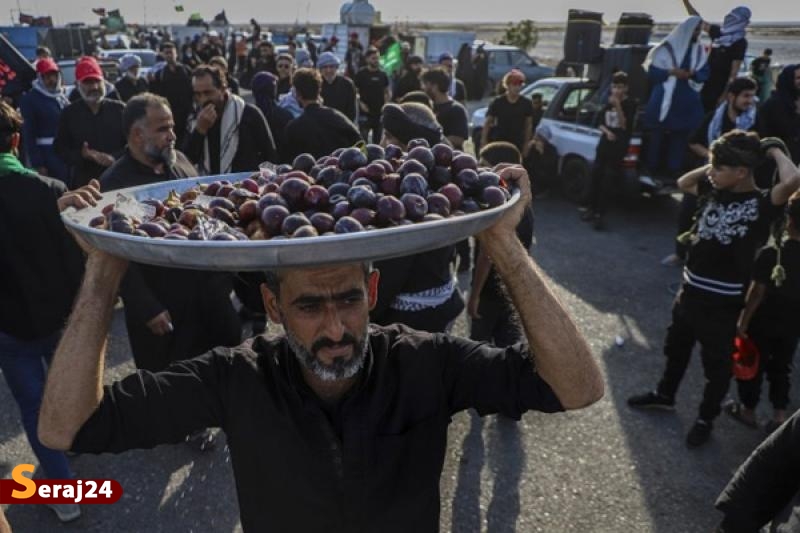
(331,375)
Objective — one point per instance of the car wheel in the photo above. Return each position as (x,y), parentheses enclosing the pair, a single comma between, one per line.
(575,179)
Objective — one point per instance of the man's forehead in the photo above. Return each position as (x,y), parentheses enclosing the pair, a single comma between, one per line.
(318,280)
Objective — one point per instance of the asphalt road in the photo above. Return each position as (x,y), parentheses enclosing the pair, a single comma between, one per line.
(602,469)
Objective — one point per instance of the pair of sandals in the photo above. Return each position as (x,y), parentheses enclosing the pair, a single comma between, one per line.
(735,410)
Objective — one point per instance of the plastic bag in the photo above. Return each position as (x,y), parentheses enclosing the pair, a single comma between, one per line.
(745,359)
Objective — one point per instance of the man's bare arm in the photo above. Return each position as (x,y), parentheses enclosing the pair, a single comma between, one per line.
(688,182)
(788,177)
(75,379)
(562,356)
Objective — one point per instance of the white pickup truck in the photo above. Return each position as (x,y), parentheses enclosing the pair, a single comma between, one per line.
(572,111)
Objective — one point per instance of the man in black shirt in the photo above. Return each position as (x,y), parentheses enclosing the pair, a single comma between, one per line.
(733,223)
(410,80)
(373,91)
(174,82)
(450,115)
(336,425)
(285,66)
(130,83)
(510,115)
(319,130)
(226,134)
(264,59)
(90,132)
(779,116)
(457,90)
(337,92)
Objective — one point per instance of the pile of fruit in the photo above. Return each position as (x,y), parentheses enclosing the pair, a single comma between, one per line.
(353,189)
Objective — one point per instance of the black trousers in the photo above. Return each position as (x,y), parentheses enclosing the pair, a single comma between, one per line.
(370,123)
(686,213)
(498,324)
(776,362)
(607,160)
(713,326)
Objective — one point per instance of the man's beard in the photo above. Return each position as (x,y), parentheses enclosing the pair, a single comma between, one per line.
(166,155)
(93,97)
(341,368)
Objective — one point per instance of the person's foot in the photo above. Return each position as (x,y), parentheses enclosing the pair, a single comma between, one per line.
(699,434)
(651,400)
(741,414)
(66,512)
(672,260)
(201,441)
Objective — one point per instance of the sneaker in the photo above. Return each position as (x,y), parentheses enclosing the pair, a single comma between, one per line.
(699,434)
(66,512)
(202,441)
(651,400)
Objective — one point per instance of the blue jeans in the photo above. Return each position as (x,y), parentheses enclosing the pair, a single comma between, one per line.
(24,365)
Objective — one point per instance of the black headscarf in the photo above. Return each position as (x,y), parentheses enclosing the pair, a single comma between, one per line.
(785,88)
(396,122)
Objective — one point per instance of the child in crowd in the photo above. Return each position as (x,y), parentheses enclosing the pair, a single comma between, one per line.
(770,319)
(732,223)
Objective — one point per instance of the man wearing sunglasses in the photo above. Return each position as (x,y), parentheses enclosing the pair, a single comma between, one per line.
(510,115)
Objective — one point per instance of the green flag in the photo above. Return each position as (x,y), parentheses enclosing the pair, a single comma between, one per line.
(392,59)
(179,8)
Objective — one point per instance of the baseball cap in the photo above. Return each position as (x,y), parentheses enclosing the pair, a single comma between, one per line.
(516,75)
(46,65)
(327,59)
(88,69)
(445,56)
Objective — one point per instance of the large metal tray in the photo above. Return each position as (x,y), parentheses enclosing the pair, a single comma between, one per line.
(260,255)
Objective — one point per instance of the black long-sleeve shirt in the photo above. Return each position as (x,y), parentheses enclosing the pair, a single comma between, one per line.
(102,131)
(340,95)
(294,470)
(319,131)
(40,263)
(256,143)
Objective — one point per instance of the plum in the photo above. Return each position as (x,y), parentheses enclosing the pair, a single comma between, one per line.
(337,152)
(467,181)
(221,202)
(375,171)
(374,152)
(292,222)
(385,164)
(283,169)
(361,196)
(224,236)
(443,154)
(304,162)
(189,217)
(392,151)
(344,177)
(338,189)
(152,229)
(175,237)
(469,205)
(416,206)
(390,184)
(271,187)
(157,205)
(248,212)
(438,204)
(488,179)
(139,233)
(250,185)
(305,231)
(316,197)
(351,159)
(212,188)
(431,217)
(173,214)
(412,166)
(121,225)
(314,172)
(225,190)
(98,222)
(422,154)
(252,227)
(413,143)
(190,195)
(347,225)
(341,209)
(271,198)
(293,190)
(462,161)
(323,222)
(363,215)
(332,161)
(327,176)
(222,214)
(439,177)
(493,196)
(415,184)
(197,234)
(299,174)
(272,217)
(389,210)
(453,194)
(366,182)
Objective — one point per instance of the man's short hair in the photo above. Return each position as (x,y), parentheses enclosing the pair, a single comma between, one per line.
(307,82)
(739,85)
(10,123)
(768,51)
(419,97)
(438,77)
(272,278)
(536,96)
(43,51)
(167,44)
(498,152)
(619,78)
(285,57)
(136,109)
(371,51)
(217,78)
(220,62)
(737,148)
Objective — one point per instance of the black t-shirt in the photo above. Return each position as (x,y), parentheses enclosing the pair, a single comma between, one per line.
(374,466)
(760,66)
(452,116)
(719,63)
(779,312)
(510,119)
(611,118)
(371,85)
(340,95)
(731,227)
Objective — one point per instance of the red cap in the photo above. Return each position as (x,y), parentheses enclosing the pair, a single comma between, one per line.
(516,75)
(354,35)
(46,65)
(88,69)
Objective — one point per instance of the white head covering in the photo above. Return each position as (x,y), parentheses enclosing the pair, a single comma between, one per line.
(669,54)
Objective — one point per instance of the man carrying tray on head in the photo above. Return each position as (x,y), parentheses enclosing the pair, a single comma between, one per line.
(337,425)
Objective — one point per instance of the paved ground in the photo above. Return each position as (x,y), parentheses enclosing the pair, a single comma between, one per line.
(604,469)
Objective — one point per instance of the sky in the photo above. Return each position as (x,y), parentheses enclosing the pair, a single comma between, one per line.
(316,11)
